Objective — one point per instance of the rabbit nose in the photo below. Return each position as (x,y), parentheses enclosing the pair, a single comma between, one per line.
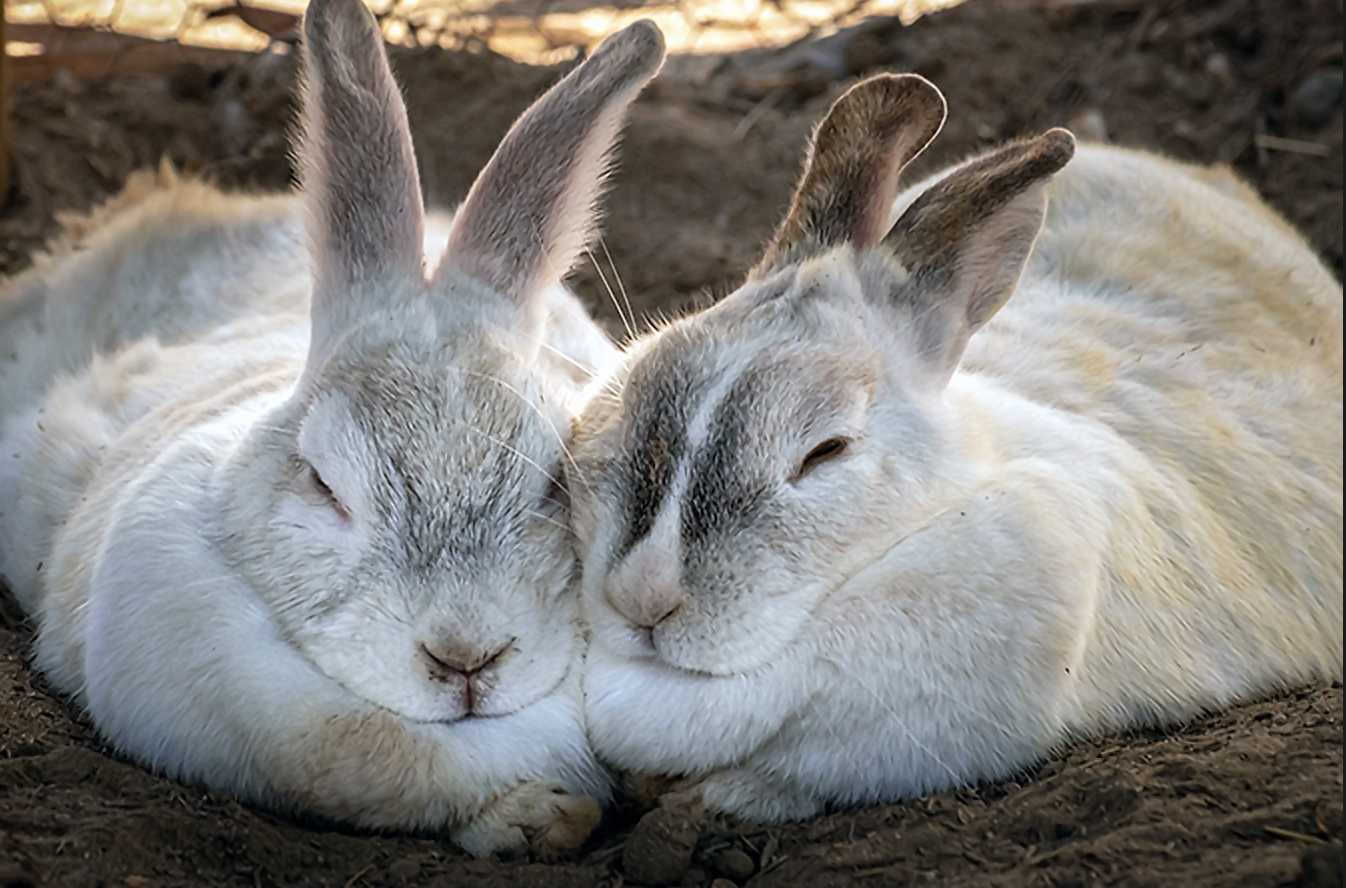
(646,587)
(449,659)
(646,604)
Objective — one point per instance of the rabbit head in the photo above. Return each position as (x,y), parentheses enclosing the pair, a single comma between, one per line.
(745,461)
(402,510)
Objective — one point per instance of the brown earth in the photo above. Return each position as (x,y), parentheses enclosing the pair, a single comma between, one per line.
(1251,796)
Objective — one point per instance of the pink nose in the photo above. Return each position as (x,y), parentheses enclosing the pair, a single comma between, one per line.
(646,586)
(448,660)
(643,603)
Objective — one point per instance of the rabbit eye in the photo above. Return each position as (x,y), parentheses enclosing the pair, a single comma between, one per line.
(829,449)
(316,480)
(558,489)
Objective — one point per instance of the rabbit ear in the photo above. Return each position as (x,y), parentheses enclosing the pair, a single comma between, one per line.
(358,169)
(965,241)
(853,163)
(533,209)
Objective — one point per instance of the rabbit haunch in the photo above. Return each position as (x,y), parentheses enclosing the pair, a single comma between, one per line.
(287,506)
(870,527)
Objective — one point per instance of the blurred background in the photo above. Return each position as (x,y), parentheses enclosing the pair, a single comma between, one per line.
(98,88)
(526,30)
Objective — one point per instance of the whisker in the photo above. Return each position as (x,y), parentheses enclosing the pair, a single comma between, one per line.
(550,520)
(621,315)
(630,312)
(583,368)
(898,723)
(517,452)
(560,440)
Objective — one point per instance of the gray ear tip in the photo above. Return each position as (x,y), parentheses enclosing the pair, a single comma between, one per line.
(1058,144)
(640,44)
(909,96)
(323,17)
(646,35)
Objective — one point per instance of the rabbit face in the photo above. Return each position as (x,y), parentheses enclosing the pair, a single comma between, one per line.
(747,461)
(420,555)
(757,455)
(408,531)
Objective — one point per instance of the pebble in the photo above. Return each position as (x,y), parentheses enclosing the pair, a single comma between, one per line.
(404,870)
(1314,100)
(733,864)
(659,850)
(1218,66)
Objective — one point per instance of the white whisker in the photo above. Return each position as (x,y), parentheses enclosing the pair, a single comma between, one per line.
(612,296)
(630,312)
(560,440)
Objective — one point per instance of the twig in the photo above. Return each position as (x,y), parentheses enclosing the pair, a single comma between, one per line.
(355,878)
(755,114)
(1291,834)
(1290,146)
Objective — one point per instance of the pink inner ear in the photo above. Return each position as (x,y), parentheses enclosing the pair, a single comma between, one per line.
(358,170)
(533,209)
(994,254)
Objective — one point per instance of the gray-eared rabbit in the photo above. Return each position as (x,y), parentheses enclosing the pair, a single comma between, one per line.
(1034,449)
(286,507)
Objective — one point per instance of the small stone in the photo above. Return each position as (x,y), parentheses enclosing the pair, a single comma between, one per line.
(404,870)
(722,883)
(733,864)
(1314,100)
(659,850)
(1218,66)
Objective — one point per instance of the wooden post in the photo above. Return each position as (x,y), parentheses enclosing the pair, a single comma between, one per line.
(4,111)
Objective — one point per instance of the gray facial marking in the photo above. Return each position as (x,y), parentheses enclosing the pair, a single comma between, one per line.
(665,392)
(727,486)
(462,506)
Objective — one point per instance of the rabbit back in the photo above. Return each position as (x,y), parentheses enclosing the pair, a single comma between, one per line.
(1170,309)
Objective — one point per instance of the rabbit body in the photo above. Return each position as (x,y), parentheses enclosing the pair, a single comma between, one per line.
(1122,508)
(279,497)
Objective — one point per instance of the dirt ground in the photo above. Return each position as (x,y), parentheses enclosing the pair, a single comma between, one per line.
(1251,796)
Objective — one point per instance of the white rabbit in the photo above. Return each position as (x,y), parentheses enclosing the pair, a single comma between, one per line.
(847,537)
(290,520)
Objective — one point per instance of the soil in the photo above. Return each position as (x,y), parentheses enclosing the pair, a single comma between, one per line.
(1250,796)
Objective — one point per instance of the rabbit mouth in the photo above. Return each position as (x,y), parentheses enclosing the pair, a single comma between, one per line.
(526,702)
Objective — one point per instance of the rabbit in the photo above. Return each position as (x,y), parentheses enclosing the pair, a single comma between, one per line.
(1043,446)
(285,508)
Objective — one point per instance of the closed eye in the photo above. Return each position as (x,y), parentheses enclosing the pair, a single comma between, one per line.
(824,452)
(558,489)
(324,492)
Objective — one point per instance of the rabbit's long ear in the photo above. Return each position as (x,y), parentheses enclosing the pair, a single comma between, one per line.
(965,241)
(853,164)
(533,208)
(357,168)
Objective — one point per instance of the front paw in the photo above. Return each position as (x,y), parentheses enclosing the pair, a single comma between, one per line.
(737,793)
(536,817)
(645,791)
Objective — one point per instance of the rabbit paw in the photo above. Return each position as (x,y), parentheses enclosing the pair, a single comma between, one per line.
(736,792)
(646,790)
(537,817)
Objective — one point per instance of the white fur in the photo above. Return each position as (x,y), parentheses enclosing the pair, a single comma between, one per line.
(1124,508)
(170,442)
